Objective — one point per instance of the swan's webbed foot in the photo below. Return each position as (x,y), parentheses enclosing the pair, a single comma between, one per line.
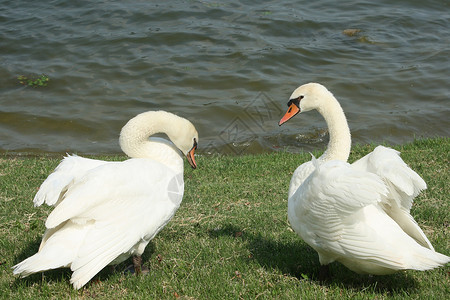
(137,268)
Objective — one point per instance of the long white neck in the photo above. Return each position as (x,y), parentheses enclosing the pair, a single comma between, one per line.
(340,139)
(134,138)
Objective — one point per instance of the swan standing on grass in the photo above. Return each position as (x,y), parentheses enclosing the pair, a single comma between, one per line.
(356,214)
(105,211)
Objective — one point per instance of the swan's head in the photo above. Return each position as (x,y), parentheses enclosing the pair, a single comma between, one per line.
(306,97)
(186,139)
(134,137)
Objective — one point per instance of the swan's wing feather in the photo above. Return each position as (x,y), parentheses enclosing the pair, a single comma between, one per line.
(71,168)
(360,241)
(371,242)
(345,189)
(300,174)
(101,246)
(121,227)
(403,186)
(333,192)
(111,182)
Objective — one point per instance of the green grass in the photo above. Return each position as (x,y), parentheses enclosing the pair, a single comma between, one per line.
(230,239)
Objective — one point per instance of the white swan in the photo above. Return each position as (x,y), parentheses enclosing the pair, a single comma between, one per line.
(356,214)
(105,211)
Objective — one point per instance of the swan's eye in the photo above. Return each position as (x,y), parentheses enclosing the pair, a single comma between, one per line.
(301,97)
(295,101)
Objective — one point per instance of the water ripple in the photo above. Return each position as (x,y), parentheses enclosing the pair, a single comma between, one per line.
(223,66)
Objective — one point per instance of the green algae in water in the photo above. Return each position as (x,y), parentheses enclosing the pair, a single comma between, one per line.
(34,81)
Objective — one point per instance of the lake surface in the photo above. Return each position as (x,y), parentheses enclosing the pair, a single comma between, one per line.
(228,66)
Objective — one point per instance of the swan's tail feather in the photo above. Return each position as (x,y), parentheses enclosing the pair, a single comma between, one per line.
(57,250)
(38,263)
(429,261)
(82,274)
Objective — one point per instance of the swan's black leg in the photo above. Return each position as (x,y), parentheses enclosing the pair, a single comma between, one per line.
(137,263)
(138,267)
(324,273)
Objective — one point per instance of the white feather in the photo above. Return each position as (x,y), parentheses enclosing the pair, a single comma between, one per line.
(403,186)
(70,169)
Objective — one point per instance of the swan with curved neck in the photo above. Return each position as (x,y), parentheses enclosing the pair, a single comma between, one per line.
(358,214)
(108,211)
(134,137)
(315,96)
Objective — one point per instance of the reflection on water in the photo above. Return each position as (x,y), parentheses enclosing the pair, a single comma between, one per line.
(228,67)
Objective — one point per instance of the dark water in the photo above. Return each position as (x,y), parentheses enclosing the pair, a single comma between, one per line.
(227,66)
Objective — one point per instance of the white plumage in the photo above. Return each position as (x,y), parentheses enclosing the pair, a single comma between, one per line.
(357,214)
(107,211)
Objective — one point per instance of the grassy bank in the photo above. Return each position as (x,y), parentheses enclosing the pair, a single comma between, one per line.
(230,238)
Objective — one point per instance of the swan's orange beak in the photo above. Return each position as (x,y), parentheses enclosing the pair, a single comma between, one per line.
(190,156)
(292,111)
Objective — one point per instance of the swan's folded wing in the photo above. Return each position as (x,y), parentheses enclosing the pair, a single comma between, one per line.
(118,234)
(377,239)
(300,174)
(403,186)
(71,168)
(109,183)
(332,194)
(347,190)
(371,242)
